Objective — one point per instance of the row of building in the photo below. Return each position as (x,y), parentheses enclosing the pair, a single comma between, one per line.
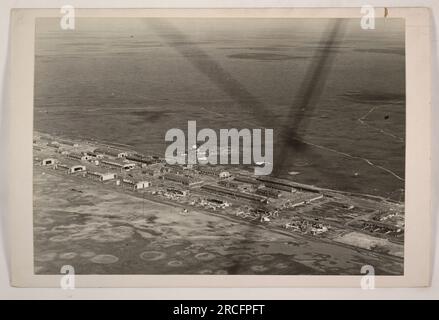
(97,176)
(290,185)
(233,193)
(210,171)
(182,179)
(118,165)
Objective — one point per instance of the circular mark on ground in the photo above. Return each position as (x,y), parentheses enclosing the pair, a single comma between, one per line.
(183,253)
(227,264)
(205,256)
(59,238)
(221,272)
(194,247)
(265,257)
(302,163)
(152,255)
(205,271)
(87,254)
(45,221)
(113,234)
(43,257)
(104,259)
(175,263)
(259,268)
(68,255)
(242,257)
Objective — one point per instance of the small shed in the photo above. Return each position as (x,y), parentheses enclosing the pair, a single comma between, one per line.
(108,176)
(142,185)
(128,166)
(78,168)
(48,162)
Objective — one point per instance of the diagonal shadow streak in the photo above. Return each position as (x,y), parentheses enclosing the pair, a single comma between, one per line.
(211,69)
(308,95)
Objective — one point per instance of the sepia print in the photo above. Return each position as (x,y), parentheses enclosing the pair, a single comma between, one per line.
(107,198)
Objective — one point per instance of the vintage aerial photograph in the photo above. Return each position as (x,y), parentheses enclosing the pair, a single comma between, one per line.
(107,200)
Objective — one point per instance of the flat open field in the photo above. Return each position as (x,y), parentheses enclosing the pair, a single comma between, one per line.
(99,231)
